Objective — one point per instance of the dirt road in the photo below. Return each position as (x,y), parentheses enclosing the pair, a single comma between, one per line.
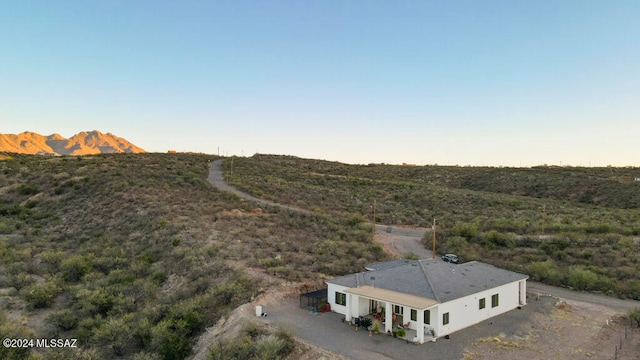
(216,178)
(396,239)
(619,305)
(400,241)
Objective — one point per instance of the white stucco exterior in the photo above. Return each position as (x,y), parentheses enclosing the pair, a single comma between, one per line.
(445,317)
(466,311)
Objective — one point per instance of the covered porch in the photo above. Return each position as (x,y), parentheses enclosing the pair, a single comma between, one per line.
(393,310)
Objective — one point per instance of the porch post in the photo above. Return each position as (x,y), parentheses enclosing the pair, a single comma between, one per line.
(388,316)
(356,304)
(347,316)
(420,327)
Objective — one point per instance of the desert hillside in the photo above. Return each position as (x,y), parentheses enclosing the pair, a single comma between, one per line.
(136,255)
(83,143)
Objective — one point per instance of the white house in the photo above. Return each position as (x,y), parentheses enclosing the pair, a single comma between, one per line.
(428,294)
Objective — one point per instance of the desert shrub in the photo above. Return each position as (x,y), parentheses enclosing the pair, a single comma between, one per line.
(64,319)
(356,219)
(114,333)
(544,271)
(94,302)
(289,344)
(240,348)
(634,315)
(169,340)
(19,280)
(580,278)
(5,228)
(411,256)
(11,330)
(188,314)
(74,267)
(464,230)
(253,344)
(269,347)
(597,228)
(40,296)
(501,240)
(27,189)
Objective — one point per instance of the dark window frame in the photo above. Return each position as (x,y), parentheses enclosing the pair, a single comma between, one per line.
(400,311)
(495,300)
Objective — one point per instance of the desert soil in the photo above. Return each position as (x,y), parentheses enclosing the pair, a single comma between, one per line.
(571,330)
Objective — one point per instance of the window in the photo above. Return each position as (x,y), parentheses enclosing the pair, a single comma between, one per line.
(414,314)
(482,303)
(341,298)
(397,309)
(494,300)
(445,318)
(427,317)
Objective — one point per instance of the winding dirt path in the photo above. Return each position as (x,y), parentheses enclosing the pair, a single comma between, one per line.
(396,240)
(216,178)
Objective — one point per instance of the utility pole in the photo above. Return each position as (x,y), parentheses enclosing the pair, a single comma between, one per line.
(374,217)
(433,252)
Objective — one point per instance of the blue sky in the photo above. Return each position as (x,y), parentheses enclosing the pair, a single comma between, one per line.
(503,83)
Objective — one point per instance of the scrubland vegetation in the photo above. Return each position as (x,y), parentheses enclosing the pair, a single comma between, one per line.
(135,255)
(590,216)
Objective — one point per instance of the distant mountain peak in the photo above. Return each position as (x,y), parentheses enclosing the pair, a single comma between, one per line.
(82,143)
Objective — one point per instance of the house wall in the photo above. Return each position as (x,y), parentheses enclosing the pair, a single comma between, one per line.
(465,311)
(331,298)
(414,324)
(363,306)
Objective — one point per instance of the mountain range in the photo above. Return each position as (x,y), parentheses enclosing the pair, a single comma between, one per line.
(83,143)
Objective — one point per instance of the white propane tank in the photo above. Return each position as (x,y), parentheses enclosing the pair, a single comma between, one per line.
(258,310)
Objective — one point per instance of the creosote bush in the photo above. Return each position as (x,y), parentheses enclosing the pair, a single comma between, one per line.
(254,343)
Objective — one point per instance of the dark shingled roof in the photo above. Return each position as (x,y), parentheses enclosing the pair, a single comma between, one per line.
(432,279)
(387,264)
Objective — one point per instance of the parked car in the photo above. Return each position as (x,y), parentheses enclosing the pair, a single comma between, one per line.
(452,258)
